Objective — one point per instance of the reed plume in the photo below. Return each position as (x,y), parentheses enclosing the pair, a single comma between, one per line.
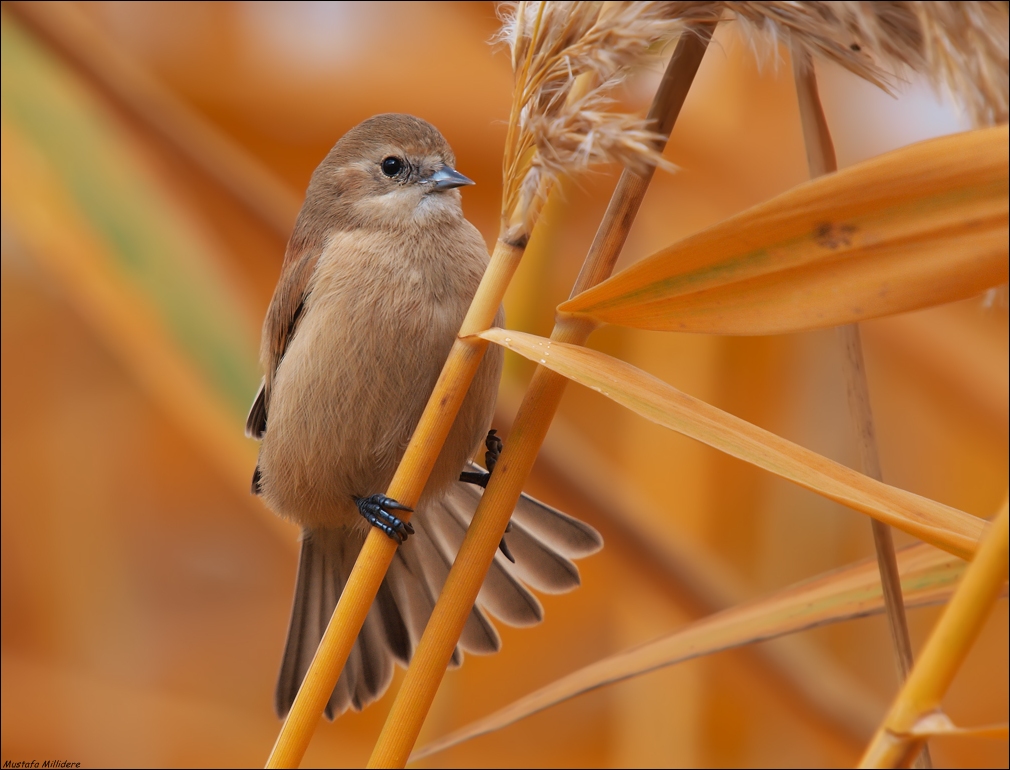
(961,47)
(568,57)
(559,125)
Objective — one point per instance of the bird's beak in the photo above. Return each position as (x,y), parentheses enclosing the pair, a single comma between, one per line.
(447,178)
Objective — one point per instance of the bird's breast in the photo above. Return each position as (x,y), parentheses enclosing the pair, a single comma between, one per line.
(378,324)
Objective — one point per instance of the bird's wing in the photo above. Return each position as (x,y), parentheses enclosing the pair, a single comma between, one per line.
(281,321)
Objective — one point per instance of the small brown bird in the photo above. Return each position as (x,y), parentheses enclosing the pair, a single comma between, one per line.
(377,276)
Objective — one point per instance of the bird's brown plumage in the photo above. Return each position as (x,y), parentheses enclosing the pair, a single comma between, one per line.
(377,277)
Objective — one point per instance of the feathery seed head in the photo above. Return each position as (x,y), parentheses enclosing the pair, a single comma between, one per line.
(568,57)
(960,46)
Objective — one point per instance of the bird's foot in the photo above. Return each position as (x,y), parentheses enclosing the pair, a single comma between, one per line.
(494,447)
(378,511)
(475,477)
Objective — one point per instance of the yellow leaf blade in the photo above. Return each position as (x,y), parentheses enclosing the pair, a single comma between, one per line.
(928,576)
(945,527)
(920,226)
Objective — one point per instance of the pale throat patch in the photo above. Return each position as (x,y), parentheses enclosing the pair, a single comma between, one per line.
(410,203)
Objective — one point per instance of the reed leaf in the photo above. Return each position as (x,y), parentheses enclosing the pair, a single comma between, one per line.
(928,577)
(945,527)
(919,226)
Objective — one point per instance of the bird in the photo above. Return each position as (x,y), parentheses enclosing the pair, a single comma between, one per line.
(377,276)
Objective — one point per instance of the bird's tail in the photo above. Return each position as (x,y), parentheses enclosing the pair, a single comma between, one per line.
(542,539)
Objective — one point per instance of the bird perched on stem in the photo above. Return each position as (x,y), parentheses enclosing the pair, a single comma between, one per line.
(377,277)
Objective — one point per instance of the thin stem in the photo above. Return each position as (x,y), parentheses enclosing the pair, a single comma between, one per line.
(821,160)
(945,651)
(859,406)
(532,421)
(816,136)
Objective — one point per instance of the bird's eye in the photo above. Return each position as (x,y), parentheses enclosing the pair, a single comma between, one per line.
(392,166)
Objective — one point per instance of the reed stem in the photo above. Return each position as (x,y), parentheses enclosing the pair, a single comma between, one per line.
(945,651)
(821,160)
(527,434)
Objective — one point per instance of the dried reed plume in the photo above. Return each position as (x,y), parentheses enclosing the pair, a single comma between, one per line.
(960,46)
(567,58)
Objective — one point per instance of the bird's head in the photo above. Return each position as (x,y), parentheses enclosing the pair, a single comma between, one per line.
(390,171)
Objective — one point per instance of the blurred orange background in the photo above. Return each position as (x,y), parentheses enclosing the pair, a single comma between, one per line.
(146,593)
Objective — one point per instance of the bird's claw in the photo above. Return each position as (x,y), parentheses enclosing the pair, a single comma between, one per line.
(479,478)
(377,510)
(494,447)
